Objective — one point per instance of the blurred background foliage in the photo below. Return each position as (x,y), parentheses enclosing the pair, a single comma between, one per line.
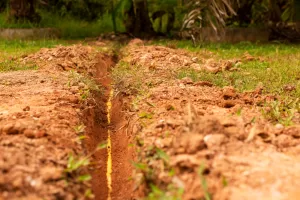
(78,18)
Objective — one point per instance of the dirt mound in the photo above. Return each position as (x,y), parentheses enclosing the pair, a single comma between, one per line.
(200,142)
(37,116)
(197,141)
(159,57)
(76,57)
(46,127)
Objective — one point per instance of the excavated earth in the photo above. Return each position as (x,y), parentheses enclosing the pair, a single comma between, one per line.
(170,138)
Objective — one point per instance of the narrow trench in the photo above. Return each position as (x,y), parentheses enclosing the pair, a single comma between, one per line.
(111,169)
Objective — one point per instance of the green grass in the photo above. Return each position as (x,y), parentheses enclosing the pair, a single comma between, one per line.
(15,66)
(68,27)
(279,66)
(11,50)
(21,47)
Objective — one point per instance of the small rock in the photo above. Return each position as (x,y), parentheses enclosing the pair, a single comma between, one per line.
(170,107)
(196,66)
(229,103)
(283,141)
(229,93)
(17,183)
(279,127)
(13,128)
(29,133)
(203,83)
(186,62)
(40,134)
(187,80)
(74,99)
(195,59)
(232,130)
(50,173)
(289,88)
(185,161)
(191,143)
(74,89)
(214,140)
(37,115)
(27,108)
(81,85)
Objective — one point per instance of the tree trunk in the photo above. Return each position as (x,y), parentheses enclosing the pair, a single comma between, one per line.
(23,10)
(274,11)
(138,21)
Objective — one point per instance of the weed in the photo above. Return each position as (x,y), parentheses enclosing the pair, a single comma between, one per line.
(281,111)
(270,69)
(75,163)
(9,65)
(86,84)
(162,155)
(239,112)
(171,193)
(89,194)
(79,129)
(129,79)
(145,115)
(224,181)
(207,195)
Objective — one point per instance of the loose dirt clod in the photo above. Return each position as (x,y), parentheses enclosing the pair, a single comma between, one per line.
(77,57)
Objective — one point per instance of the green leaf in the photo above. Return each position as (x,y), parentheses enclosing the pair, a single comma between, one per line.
(145,115)
(224,181)
(85,177)
(163,155)
(89,194)
(102,145)
(286,15)
(140,166)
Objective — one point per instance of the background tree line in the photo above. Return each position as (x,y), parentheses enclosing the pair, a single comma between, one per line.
(150,17)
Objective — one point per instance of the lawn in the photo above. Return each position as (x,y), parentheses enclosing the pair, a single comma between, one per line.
(276,68)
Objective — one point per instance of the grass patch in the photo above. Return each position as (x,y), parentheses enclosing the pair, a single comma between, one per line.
(68,27)
(9,65)
(278,67)
(15,48)
(11,50)
(129,79)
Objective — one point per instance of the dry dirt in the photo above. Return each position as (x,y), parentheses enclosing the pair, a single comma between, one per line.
(184,127)
(180,135)
(46,116)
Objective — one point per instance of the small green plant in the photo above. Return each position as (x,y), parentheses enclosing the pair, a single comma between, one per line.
(79,129)
(239,111)
(89,194)
(10,65)
(145,115)
(281,111)
(207,195)
(75,163)
(129,79)
(224,181)
(86,84)
(171,193)
(76,167)
(162,155)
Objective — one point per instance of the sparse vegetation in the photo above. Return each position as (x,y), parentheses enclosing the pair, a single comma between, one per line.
(85,84)
(270,71)
(282,111)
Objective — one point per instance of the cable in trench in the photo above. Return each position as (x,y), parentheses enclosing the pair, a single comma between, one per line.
(109,154)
